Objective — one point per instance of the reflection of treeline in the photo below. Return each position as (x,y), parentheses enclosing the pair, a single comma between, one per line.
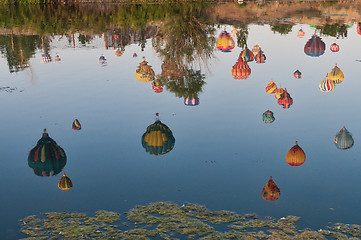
(334,30)
(59,19)
(18,49)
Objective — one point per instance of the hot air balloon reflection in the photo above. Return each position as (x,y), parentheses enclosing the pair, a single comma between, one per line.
(118,52)
(144,72)
(241,70)
(268,117)
(45,58)
(158,139)
(334,47)
(225,42)
(247,55)
(285,100)
(76,125)
(343,139)
(157,86)
(297,74)
(260,57)
(65,183)
(278,92)
(57,58)
(300,33)
(296,156)
(270,192)
(256,49)
(271,87)
(326,85)
(314,47)
(46,158)
(191,101)
(336,75)
(102,60)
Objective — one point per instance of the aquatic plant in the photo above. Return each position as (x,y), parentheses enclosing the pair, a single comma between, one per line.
(168,220)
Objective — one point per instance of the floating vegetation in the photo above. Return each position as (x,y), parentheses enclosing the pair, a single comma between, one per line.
(166,220)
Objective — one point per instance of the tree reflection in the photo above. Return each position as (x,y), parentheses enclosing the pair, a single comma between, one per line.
(185,39)
(18,49)
(189,84)
(242,35)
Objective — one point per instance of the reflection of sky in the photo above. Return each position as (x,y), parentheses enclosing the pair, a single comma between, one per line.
(110,170)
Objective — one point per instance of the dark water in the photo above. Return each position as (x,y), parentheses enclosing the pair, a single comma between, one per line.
(223,154)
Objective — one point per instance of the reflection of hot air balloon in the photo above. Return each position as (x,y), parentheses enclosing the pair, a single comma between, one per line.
(247,55)
(191,101)
(285,100)
(57,58)
(300,33)
(326,85)
(65,183)
(296,156)
(343,139)
(241,70)
(334,47)
(271,87)
(256,49)
(45,58)
(336,75)
(102,59)
(158,139)
(270,192)
(46,158)
(225,42)
(260,57)
(76,125)
(278,92)
(144,73)
(234,33)
(268,117)
(297,74)
(170,71)
(315,47)
(157,86)
(118,53)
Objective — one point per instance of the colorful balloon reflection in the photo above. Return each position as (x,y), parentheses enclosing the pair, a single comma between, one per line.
(326,85)
(76,125)
(191,101)
(268,117)
(271,87)
(144,72)
(158,139)
(336,75)
(300,33)
(297,74)
(285,100)
(225,42)
(270,192)
(65,183)
(296,156)
(47,158)
(260,57)
(334,47)
(241,70)
(315,47)
(247,55)
(343,139)
(157,86)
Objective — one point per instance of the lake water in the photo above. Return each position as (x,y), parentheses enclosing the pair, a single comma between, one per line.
(223,152)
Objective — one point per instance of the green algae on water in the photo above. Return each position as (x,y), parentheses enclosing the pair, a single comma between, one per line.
(166,220)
